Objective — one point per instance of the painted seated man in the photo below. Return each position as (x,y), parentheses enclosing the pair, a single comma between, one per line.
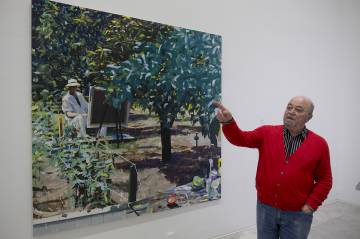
(75,108)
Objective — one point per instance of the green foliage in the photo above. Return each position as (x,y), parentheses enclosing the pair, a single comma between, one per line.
(72,42)
(76,160)
(177,75)
(87,174)
(61,37)
(43,128)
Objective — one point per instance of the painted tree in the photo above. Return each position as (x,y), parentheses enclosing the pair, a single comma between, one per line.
(176,76)
(73,42)
(122,35)
(62,35)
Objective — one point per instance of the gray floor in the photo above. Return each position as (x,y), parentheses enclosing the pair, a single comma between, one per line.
(338,220)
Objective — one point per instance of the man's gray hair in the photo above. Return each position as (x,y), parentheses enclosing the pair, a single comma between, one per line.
(311,105)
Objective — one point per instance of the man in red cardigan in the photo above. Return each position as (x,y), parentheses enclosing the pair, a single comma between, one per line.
(293,175)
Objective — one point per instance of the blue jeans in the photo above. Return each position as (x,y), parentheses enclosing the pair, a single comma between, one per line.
(273,223)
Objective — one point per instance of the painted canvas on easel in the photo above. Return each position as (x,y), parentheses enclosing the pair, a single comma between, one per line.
(122,114)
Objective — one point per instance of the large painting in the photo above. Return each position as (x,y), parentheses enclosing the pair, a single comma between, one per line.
(122,114)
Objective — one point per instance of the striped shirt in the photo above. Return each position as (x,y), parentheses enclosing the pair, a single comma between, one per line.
(293,143)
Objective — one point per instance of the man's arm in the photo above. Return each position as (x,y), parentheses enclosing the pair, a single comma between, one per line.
(233,133)
(236,136)
(84,103)
(74,114)
(323,180)
(68,109)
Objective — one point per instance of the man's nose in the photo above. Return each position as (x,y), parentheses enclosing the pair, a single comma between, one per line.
(291,111)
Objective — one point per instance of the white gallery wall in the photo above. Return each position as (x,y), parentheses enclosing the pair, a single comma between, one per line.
(272,50)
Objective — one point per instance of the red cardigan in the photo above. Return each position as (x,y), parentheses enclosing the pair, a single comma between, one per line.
(306,177)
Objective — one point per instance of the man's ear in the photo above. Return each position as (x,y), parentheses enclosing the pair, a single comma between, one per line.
(309,117)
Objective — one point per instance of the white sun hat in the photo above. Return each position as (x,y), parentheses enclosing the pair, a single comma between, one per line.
(72,82)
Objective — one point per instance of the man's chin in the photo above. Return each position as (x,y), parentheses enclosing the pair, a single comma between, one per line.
(288,124)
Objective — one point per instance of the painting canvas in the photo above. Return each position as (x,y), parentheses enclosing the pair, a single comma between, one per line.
(122,114)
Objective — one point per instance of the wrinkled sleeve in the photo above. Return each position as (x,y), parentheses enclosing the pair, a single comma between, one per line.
(238,137)
(323,179)
(66,106)
(84,103)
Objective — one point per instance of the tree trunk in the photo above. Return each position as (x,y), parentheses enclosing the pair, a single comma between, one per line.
(165,142)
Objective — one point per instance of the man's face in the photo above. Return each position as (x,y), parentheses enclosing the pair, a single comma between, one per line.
(72,89)
(297,113)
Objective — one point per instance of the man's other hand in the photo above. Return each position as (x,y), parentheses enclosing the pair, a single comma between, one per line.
(307,209)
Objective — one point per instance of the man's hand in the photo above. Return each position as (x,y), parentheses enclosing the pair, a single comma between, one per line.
(307,209)
(222,114)
(73,114)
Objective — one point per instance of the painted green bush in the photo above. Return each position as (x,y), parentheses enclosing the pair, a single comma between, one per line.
(77,161)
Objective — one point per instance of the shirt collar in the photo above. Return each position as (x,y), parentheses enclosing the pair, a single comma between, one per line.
(302,134)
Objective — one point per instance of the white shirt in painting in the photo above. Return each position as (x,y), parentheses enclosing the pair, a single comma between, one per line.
(70,104)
